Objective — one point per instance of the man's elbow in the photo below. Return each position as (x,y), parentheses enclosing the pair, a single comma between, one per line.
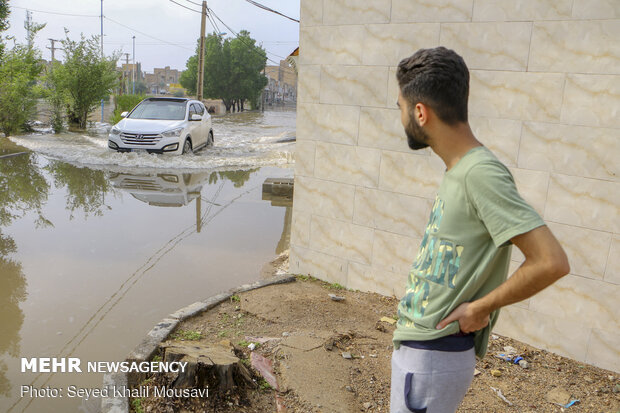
(558,265)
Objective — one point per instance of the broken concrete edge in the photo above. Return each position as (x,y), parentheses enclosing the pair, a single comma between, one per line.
(148,346)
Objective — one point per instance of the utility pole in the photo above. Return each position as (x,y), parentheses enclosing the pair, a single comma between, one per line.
(126,78)
(133,68)
(28,27)
(101,52)
(201,55)
(53,48)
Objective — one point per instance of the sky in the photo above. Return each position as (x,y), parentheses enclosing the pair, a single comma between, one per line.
(164,21)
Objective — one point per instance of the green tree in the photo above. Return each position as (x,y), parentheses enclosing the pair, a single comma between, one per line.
(19,69)
(86,77)
(4,21)
(232,70)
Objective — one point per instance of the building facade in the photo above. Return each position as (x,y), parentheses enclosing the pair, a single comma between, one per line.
(282,86)
(544,96)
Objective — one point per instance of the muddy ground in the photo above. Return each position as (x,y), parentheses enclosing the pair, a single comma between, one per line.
(306,334)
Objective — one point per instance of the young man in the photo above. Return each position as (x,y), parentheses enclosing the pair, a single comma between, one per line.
(457,283)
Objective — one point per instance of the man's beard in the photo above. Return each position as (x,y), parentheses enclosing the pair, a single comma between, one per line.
(416,137)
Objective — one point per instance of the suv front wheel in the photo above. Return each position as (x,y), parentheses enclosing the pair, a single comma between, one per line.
(187,146)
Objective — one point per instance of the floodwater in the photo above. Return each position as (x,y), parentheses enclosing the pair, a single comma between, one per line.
(96,247)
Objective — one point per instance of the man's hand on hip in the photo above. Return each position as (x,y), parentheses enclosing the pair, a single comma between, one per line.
(470,319)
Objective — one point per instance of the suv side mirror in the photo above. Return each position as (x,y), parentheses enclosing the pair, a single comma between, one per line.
(124,114)
(195,116)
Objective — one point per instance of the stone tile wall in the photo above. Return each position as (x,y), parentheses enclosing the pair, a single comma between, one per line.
(545,97)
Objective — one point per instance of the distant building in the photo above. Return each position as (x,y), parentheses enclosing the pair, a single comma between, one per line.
(282,86)
(128,70)
(160,80)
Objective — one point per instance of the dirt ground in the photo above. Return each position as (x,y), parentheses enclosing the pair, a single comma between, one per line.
(308,335)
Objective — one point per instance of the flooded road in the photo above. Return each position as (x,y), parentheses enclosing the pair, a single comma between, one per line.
(96,246)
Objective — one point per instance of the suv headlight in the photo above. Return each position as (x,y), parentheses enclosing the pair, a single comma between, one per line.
(172,133)
(115,131)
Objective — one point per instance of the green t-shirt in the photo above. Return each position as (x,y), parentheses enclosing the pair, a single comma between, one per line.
(465,251)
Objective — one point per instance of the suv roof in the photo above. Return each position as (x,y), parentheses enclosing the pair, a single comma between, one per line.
(170,99)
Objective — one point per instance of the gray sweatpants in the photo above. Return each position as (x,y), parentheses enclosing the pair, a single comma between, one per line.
(429,381)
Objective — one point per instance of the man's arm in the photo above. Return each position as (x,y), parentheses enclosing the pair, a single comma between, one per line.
(545,262)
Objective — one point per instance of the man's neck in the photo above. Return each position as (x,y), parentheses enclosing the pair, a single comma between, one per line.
(453,143)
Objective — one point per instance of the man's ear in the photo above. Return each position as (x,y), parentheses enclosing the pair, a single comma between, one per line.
(421,113)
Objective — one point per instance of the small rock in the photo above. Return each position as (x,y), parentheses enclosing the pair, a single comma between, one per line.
(611,378)
(335,297)
(285,334)
(523,363)
(349,388)
(494,337)
(347,355)
(367,405)
(374,356)
(587,379)
(496,373)
(616,389)
(388,320)
(510,350)
(252,346)
(476,372)
(558,396)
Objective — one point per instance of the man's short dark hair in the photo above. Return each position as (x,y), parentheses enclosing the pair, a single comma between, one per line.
(437,78)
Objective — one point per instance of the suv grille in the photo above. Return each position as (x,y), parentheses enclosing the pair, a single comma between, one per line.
(140,138)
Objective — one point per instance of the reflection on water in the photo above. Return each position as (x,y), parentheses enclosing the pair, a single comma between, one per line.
(91,258)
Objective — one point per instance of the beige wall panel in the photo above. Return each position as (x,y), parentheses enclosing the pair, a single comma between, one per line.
(355,11)
(612,273)
(311,12)
(584,202)
(522,10)
(309,84)
(328,123)
(581,300)
(389,44)
(323,266)
(389,211)
(367,278)
(516,95)
(603,350)
(393,89)
(600,94)
(532,185)
(410,174)
(348,241)
(331,45)
(324,198)
(300,230)
(587,250)
(596,9)
(562,336)
(359,85)
(572,150)
(489,46)
(501,136)
(563,47)
(382,129)
(304,158)
(394,252)
(347,164)
(431,10)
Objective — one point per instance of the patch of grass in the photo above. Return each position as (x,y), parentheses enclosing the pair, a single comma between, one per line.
(335,286)
(157,358)
(223,333)
(187,335)
(302,277)
(146,381)
(235,298)
(243,343)
(263,385)
(137,405)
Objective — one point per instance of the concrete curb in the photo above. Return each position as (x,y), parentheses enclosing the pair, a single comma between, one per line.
(148,346)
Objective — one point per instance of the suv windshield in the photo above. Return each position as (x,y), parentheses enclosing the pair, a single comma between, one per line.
(159,109)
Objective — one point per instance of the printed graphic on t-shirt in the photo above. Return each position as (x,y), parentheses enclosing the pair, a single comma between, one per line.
(437,263)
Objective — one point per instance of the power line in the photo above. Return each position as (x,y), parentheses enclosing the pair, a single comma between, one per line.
(237,36)
(53,12)
(147,35)
(260,6)
(185,7)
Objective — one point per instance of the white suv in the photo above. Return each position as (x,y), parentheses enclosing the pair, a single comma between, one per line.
(163,125)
